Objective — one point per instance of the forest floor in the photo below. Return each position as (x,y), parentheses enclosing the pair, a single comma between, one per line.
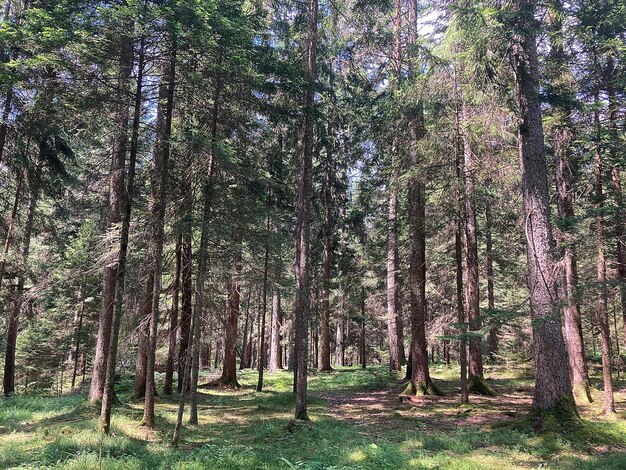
(357,422)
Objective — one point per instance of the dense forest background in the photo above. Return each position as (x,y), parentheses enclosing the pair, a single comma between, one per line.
(197,185)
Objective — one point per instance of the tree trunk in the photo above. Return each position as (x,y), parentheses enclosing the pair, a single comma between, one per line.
(276,361)
(244,360)
(165,109)
(109,381)
(339,340)
(173,329)
(229,371)
(77,334)
(324,358)
(601,309)
(262,347)
(116,209)
(14,315)
(143,333)
(563,134)
(421,382)
(553,391)
(476,379)
(11,225)
(186,306)
(492,340)
(305,163)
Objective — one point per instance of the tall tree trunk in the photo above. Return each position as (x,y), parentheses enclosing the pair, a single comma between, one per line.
(476,377)
(244,362)
(116,209)
(363,345)
(339,341)
(601,309)
(276,360)
(143,337)
(562,136)
(262,346)
(109,381)
(553,390)
(77,335)
(421,382)
(229,371)
(165,110)
(14,315)
(303,215)
(324,357)
(186,305)
(492,340)
(392,214)
(173,329)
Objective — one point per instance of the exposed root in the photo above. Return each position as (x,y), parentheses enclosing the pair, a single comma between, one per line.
(420,388)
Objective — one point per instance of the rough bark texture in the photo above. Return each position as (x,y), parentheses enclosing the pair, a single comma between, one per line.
(116,207)
(109,393)
(601,308)
(472,294)
(303,228)
(173,327)
(324,356)
(186,307)
(562,136)
(157,210)
(276,359)
(143,330)
(553,391)
(421,382)
(229,370)
(493,341)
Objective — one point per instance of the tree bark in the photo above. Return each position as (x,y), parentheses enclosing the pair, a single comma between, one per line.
(229,370)
(186,305)
(143,334)
(324,357)
(421,382)
(493,341)
(262,348)
(173,329)
(563,135)
(305,163)
(109,381)
(165,110)
(601,309)
(276,360)
(553,391)
(116,209)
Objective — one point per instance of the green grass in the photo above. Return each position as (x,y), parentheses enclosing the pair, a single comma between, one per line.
(249,430)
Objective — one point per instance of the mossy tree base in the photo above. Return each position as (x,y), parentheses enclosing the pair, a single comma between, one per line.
(480,386)
(582,393)
(419,389)
(561,417)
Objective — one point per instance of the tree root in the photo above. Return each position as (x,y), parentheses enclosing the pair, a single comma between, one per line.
(480,386)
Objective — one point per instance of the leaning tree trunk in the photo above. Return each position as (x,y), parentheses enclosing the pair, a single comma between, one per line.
(303,210)
(159,189)
(553,398)
(116,209)
(14,314)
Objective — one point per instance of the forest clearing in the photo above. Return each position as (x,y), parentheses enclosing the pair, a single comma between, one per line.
(313,234)
(357,422)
